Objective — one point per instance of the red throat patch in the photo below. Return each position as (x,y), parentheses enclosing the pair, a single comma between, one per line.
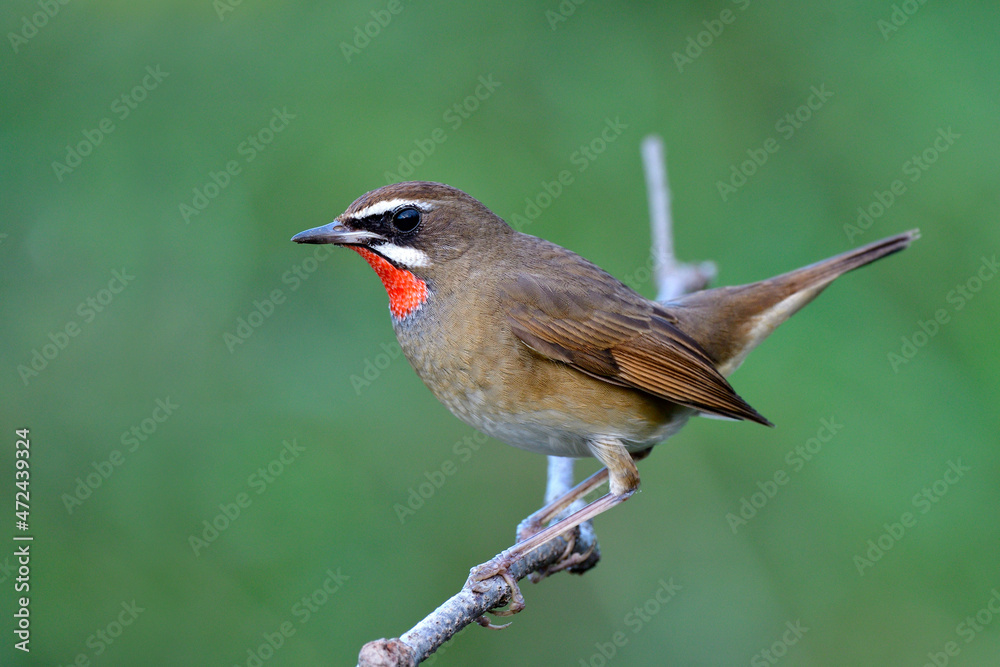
(406,291)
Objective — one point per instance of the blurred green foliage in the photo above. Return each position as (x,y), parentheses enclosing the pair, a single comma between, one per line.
(264,123)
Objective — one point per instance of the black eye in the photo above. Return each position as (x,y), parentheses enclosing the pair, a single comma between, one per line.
(406,219)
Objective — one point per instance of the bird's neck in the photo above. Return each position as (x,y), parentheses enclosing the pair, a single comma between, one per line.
(406,292)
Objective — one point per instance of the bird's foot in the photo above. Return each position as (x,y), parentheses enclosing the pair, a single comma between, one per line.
(568,560)
(501,564)
(498,567)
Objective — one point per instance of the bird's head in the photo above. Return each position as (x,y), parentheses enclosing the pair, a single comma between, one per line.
(413,234)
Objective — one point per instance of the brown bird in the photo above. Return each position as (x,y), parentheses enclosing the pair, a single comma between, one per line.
(538,347)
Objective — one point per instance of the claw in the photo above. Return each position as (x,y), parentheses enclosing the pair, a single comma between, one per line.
(570,545)
(566,561)
(570,537)
(570,561)
(516,603)
(498,567)
(486,623)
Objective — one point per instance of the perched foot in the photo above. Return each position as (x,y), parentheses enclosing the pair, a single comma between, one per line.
(568,560)
(624,481)
(498,567)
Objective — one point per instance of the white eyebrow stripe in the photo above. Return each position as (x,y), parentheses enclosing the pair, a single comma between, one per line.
(408,257)
(386,205)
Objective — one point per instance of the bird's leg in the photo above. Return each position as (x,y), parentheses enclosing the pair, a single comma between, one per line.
(624,482)
(541,518)
(562,500)
(620,464)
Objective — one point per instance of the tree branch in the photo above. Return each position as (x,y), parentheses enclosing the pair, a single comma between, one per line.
(672,278)
(560,477)
(469,606)
(462,609)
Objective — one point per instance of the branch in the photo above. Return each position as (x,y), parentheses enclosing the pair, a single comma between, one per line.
(462,609)
(560,477)
(469,606)
(672,278)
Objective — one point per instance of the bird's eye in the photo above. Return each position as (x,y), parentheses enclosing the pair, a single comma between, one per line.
(406,219)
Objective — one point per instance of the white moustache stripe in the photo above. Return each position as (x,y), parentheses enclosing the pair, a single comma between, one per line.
(384,206)
(408,257)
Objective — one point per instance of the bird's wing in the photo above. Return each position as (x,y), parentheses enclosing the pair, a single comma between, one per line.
(590,321)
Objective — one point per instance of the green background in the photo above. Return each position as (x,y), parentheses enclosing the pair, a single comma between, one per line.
(364,447)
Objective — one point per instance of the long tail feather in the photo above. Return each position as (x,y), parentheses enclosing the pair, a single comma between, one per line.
(713,317)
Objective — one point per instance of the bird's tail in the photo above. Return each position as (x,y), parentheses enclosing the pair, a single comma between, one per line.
(730,321)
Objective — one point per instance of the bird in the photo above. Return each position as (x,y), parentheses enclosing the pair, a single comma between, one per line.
(536,346)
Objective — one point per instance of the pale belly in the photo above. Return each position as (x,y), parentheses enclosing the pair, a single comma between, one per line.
(542,433)
(540,405)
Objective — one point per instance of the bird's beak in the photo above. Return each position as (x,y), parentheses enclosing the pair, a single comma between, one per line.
(336,233)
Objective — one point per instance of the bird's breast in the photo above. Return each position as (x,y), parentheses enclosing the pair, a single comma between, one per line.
(490,380)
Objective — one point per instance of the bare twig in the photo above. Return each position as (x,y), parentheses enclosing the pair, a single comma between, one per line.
(469,606)
(462,609)
(560,477)
(672,278)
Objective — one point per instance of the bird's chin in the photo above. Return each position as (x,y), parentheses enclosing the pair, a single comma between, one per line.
(404,258)
(374,249)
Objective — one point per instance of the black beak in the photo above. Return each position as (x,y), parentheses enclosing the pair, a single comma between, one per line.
(336,233)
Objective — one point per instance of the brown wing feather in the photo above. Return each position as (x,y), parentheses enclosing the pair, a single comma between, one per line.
(602,328)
